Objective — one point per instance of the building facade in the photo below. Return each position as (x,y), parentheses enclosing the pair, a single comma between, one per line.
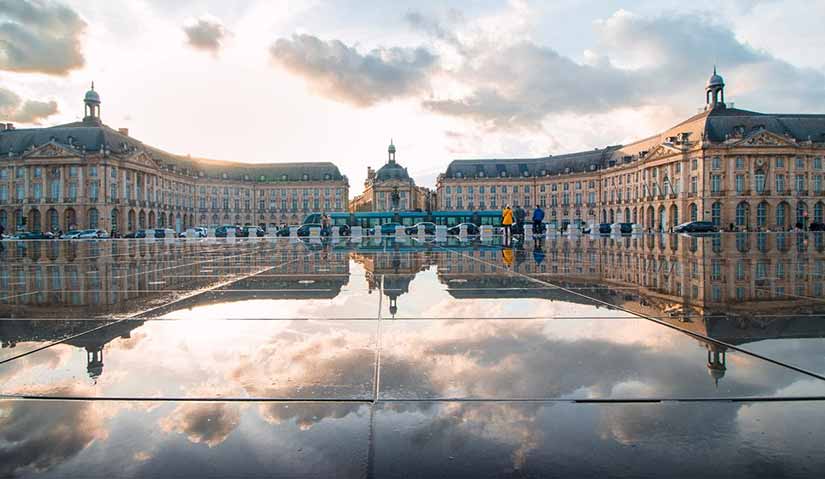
(752,170)
(87,175)
(391,189)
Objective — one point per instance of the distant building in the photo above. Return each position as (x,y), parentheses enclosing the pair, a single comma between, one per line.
(87,175)
(390,182)
(753,170)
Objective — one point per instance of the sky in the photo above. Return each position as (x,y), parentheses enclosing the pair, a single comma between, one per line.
(317,80)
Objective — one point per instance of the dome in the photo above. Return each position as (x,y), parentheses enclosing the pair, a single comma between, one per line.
(392,171)
(92,96)
(715,79)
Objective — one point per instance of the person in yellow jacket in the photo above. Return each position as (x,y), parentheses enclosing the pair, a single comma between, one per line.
(507,222)
(507,256)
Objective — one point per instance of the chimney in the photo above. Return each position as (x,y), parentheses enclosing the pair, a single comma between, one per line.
(123,131)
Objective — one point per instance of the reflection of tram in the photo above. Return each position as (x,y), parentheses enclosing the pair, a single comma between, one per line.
(409,218)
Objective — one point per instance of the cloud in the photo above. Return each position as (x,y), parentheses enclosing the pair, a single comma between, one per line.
(340,72)
(205,33)
(40,36)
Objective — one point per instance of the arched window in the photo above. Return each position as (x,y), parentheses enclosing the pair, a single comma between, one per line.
(742,214)
(694,212)
(762,214)
(781,215)
(818,213)
(93,218)
(113,219)
(716,214)
(801,212)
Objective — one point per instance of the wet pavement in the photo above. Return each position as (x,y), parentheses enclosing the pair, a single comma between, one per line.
(590,357)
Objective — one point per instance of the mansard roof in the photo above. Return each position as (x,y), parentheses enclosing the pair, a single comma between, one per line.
(716,126)
(93,137)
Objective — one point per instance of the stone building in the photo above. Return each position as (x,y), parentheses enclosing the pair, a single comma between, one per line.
(88,175)
(383,185)
(753,170)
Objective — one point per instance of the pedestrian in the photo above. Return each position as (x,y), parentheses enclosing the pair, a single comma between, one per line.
(507,223)
(538,217)
(325,224)
(2,230)
(520,215)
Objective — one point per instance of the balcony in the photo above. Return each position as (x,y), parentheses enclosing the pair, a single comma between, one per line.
(764,192)
(801,192)
(69,199)
(672,196)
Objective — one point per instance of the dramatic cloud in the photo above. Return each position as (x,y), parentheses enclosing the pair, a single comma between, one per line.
(40,36)
(208,423)
(205,33)
(340,72)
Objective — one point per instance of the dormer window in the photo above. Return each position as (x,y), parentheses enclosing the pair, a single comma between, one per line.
(526,173)
(327,176)
(459,174)
(305,177)
(481,174)
(263,178)
(503,174)
(246,177)
(284,177)
(223,175)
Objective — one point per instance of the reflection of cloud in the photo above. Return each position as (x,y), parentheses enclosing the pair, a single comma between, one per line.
(209,423)
(307,415)
(38,435)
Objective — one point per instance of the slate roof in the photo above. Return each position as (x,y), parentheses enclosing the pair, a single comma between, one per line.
(92,137)
(392,171)
(716,126)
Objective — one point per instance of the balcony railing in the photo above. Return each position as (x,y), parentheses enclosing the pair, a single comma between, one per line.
(764,192)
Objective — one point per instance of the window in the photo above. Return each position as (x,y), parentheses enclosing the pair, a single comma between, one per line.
(54,190)
(716,163)
(740,163)
(93,171)
(693,184)
(73,169)
(780,162)
(762,215)
(780,184)
(716,183)
(818,184)
(800,183)
(818,163)
(742,214)
(694,164)
(800,163)
(740,184)
(760,182)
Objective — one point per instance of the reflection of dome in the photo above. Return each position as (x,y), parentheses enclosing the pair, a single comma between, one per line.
(716,372)
(392,171)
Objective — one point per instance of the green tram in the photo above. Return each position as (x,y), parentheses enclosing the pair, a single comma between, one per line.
(409,218)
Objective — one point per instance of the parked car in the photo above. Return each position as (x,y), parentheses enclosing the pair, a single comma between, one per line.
(389,228)
(202,231)
(304,229)
(283,232)
(695,227)
(603,229)
(247,231)
(92,234)
(472,229)
(166,233)
(33,235)
(427,227)
(220,231)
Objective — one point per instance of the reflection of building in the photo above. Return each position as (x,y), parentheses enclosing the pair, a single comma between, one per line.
(390,189)
(87,175)
(396,268)
(724,165)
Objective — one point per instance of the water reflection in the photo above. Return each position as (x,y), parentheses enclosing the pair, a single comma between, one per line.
(463,320)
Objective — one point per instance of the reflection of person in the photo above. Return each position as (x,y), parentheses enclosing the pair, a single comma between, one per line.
(326,223)
(507,256)
(507,223)
(538,254)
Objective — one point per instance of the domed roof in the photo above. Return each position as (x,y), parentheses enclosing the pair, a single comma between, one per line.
(91,95)
(715,79)
(392,171)
(391,148)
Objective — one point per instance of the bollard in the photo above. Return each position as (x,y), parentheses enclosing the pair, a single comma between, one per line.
(486,232)
(230,232)
(355,233)
(314,232)
(400,231)
(636,229)
(440,232)
(293,231)
(615,229)
(462,230)
(550,230)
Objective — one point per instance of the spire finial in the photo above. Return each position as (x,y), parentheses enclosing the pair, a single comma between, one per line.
(714,69)
(93,85)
